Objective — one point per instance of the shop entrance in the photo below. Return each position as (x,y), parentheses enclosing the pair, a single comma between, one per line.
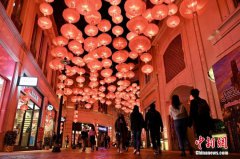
(26,125)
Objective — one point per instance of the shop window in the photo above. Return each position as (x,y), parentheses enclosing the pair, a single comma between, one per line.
(26,124)
(34,37)
(16,14)
(2,86)
(4,3)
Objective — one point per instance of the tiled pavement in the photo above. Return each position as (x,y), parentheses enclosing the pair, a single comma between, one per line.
(103,154)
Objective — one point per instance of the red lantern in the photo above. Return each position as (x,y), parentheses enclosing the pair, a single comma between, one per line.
(156,1)
(78,61)
(80,79)
(151,30)
(119,43)
(104,25)
(81,71)
(68,82)
(24,107)
(90,44)
(60,41)
(114,2)
(173,21)
(95,65)
(88,58)
(148,15)
(59,51)
(112,88)
(60,85)
(46,9)
(107,72)
(120,56)
(69,31)
(107,63)
(59,92)
(159,12)
(117,19)
(104,39)
(71,15)
(88,106)
(93,17)
(114,11)
(72,3)
(123,67)
(49,1)
(130,74)
(134,7)
(169,1)
(117,30)
(172,9)
(147,69)
(131,66)
(146,57)
(75,47)
(104,52)
(131,35)
(91,30)
(62,77)
(85,6)
(97,4)
(44,23)
(137,24)
(140,44)
(67,91)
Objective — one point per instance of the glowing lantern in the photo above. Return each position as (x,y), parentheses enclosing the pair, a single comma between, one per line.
(159,12)
(147,69)
(56,64)
(140,44)
(97,4)
(107,63)
(95,65)
(137,24)
(60,85)
(172,9)
(69,31)
(133,55)
(123,67)
(46,9)
(90,43)
(117,30)
(93,84)
(119,75)
(88,106)
(110,79)
(80,39)
(130,74)
(78,61)
(134,7)
(119,43)
(75,47)
(60,41)
(81,71)
(107,72)
(117,19)
(49,1)
(62,77)
(88,58)
(120,56)
(104,25)
(59,51)
(68,82)
(24,107)
(131,35)
(173,21)
(93,17)
(104,39)
(114,2)
(80,79)
(151,30)
(114,11)
(169,1)
(44,23)
(85,6)
(146,57)
(148,15)
(104,52)
(71,15)
(67,91)
(131,66)
(91,30)
(156,1)
(59,92)
(72,3)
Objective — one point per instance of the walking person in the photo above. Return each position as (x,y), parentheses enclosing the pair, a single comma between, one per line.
(137,123)
(199,116)
(180,117)
(84,135)
(120,128)
(92,134)
(154,124)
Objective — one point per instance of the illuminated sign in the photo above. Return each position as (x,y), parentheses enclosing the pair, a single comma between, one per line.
(102,129)
(28,81)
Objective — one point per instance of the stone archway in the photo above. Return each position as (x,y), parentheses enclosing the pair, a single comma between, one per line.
(183,92)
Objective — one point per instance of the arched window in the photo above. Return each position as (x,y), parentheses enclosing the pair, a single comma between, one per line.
(174,59)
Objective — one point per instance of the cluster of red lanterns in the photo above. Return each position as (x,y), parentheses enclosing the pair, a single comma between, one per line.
(46,9)
(24,99)
(100,82)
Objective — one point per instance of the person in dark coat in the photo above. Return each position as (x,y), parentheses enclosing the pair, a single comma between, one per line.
(137,123)
(154,124)
(120,128)
(199,116)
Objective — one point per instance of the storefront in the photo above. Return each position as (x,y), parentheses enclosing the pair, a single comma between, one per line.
(27,121)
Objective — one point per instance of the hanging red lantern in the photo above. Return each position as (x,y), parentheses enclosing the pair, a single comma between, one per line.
(46,9)
(114,2)
(173,21)
(120,56)
(148,15)
(104,39)
(146,57)
(119,43)
(88,58)
(134,7)
(60,85)
(147,69)
(130,74)
(91,30)
(80,79)
(95,65)
(123,67)
(131,66)
(75,47)
(169,1)
(85,6)
(159,12)
(78,61)
(117,30)
(156,1)
(93,17)
(49,1)
(131,35)
(151,30)
(117,19)
(107,72)
(90,43)
(104,25)
(71,15)
(107,63)
(172,9)
(67,91)
(114,11)
(97,4)
(69,31)
(62,77)
(44,23)
(140,44)
(60,41)
(59,92)
(24,107)
(68,82)
(137,24)
(88,106)
(59,51)
(72,3)
(104,52)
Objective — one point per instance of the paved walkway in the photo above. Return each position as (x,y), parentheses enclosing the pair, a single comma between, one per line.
(103,154)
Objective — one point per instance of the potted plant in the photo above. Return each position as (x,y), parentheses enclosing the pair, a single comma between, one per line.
(9,140)
(47,143)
